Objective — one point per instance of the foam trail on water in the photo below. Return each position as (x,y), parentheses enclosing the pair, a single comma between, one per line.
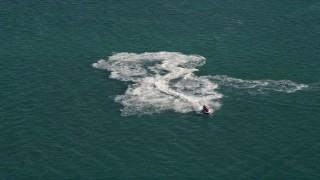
(161,81)
(166,81)
(258,86)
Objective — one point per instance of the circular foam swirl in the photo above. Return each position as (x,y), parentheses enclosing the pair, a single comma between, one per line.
(161,81)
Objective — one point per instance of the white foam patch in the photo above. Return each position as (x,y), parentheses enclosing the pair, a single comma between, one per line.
(166,81)
(161,81)
(258,86)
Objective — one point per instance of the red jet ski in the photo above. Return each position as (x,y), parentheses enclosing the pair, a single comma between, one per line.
(206,110)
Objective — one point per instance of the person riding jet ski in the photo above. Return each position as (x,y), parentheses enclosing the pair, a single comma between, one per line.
(205,109)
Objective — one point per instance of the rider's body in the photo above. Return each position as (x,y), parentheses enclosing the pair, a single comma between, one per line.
(205,108)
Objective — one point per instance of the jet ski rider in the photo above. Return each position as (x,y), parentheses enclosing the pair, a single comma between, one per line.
(205,108)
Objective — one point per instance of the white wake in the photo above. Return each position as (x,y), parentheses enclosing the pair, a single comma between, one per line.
(258,86)
(166,81)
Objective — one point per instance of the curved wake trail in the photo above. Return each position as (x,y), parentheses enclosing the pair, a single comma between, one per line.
(166,81)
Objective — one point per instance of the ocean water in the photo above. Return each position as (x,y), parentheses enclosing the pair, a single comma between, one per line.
(113,89)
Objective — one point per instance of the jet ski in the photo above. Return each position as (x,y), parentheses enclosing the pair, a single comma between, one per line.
(205,110)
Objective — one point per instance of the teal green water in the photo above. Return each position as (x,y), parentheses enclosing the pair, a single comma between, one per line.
(58,114)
